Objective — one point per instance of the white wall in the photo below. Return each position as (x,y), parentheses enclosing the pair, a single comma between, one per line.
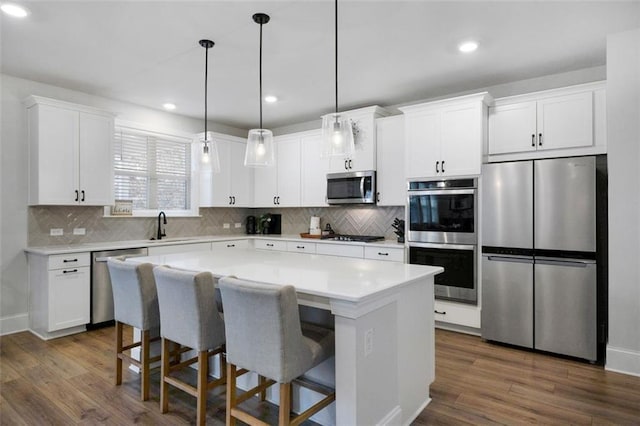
(623,134)
(13,178)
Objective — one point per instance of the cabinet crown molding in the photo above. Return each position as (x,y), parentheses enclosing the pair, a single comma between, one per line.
(483,97)
(375,110)
(542,94)
(32,100)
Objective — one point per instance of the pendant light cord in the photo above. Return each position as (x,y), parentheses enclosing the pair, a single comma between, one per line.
(261,75)
(206,77)
(336,50)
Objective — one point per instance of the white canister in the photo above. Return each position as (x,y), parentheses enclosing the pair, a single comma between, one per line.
(314,226)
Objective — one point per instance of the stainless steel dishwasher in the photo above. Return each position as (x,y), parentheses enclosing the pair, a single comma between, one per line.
(101,293)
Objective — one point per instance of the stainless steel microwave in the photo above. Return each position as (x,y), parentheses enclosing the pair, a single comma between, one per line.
(351,188)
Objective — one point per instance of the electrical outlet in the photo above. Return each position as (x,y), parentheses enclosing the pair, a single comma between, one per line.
(368,342)
(226,225)
(237,225)
(79,231)
(56,232)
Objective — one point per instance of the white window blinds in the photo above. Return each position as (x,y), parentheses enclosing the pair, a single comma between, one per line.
(152,170)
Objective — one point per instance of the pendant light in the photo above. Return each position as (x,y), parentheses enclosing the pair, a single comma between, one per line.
(337,134)
(260,150)
(209,160)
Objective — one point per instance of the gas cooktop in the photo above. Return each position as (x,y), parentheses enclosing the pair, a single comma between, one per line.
(358,238)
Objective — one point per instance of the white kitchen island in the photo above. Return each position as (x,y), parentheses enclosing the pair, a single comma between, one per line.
(384,326)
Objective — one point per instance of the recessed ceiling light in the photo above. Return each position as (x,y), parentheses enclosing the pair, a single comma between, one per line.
(468,46)
(169,106)
(271,99)
(14,10)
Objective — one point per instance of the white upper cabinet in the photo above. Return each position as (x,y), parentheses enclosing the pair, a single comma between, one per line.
(232,186)
(568,121)
(363,121)
(314,170)
(445,138)
(279,186)
(70,153)
(390,176)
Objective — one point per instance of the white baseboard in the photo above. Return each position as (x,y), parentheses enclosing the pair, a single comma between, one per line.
(418,411)
(14,324)
(624,361)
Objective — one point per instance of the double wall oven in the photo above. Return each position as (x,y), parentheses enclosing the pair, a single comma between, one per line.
(442,223)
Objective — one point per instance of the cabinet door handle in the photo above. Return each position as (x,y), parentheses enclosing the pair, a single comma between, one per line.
(350,164)
(278,198)
(69,271)
(82,192)
(345,165)
(437,167)
(233,197)
(230,245)
(77,195)
(229,199)
(440,312)
(274,200)
(69,260)
(382,254)
(533,139)
(300,247)
(442,168)
(269,245)
(539,139)
(377,197)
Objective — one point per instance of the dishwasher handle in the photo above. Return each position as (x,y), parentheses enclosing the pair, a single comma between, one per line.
(123,257)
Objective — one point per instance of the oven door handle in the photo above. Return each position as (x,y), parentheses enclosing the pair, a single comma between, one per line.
(442,192)
(444,246)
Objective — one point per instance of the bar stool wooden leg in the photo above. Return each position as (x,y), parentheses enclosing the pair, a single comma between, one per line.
(118,352)
(164,372)
(285,404)
(145,367)
(177,355)
(263,394)
(201,398)
(231,394)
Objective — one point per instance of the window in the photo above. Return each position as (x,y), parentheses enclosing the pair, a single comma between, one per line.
(154,171)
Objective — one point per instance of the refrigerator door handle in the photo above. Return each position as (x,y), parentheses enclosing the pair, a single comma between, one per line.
(576,263)
(514,259)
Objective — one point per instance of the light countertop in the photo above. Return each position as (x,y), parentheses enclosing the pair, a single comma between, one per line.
(346,279)
(115,245)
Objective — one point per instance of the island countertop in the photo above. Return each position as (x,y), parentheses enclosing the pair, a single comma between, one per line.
(346,279)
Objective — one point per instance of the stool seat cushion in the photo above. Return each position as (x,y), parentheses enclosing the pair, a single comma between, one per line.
(135,300)
(264,333)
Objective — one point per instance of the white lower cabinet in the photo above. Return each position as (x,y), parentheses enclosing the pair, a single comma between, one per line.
(301,247)
(277,245)
(457,314)
(59,294)
(229,244)
(392,254)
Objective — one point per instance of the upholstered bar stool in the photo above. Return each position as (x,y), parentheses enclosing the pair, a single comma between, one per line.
(189,316)
(265,335)
(135,303)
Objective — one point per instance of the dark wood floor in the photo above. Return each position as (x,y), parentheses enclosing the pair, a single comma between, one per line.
(69,381)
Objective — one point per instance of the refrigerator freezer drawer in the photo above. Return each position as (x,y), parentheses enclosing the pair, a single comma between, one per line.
(565,308)
(507,300)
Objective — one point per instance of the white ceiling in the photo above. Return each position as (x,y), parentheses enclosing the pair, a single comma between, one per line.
(390,51)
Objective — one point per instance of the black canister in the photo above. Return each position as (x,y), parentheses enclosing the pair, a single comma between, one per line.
(251,225)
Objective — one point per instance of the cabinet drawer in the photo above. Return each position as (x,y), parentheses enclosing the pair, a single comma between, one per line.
(342,250)
(230,244)
(391,254)
(301,247)
(457,313)
(270,245)
(60,261)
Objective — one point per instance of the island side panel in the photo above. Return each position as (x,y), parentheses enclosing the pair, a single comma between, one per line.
(416,347)
(366,364)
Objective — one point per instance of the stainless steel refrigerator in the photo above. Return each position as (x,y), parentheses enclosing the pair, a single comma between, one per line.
(539,271)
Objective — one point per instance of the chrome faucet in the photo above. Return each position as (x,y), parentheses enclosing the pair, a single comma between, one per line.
(160,231)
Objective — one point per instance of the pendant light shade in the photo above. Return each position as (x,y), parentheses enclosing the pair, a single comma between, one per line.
(209,159)
(337,132)
(260,150)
